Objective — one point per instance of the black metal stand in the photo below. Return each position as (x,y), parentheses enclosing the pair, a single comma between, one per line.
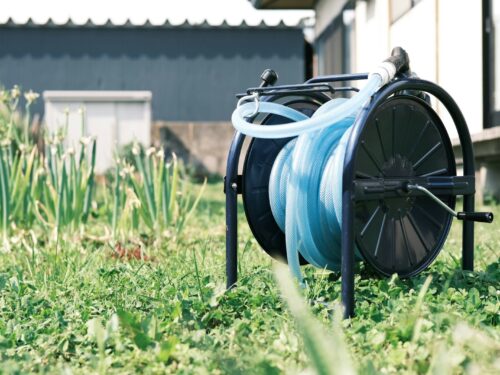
(349,201)
(349,181)
(231,189)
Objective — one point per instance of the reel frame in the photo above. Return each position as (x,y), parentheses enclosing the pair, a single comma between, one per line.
(352,188)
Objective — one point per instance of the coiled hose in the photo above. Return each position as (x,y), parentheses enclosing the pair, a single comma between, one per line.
(305,186)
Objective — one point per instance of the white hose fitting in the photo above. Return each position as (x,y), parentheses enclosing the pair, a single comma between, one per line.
(386,71)
(253,96)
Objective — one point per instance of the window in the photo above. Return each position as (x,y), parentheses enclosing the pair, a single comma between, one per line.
(401,7)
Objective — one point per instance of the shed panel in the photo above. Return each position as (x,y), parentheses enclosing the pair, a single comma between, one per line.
(193,73)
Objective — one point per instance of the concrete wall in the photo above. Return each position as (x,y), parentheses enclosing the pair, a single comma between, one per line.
(487,154)
(202,145)
(193,73)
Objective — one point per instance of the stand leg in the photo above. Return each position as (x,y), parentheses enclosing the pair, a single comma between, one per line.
(231,237)
(347,266)
(231,189)
(468,236)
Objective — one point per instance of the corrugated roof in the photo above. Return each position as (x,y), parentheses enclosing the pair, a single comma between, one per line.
(11,22)
(284,4)
(145,13)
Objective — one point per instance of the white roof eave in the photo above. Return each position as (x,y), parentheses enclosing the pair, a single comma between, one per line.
(147,13)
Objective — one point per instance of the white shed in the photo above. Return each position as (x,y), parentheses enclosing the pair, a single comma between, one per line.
(116,118)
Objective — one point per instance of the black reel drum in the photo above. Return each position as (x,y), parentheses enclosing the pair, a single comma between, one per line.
(259,161)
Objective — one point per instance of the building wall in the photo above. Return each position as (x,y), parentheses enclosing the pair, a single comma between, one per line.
(416,33)
(496,21)
(460,57)
(372,34)
(326,11)
(444,41)
(201,146)
(193,73)
(442,48)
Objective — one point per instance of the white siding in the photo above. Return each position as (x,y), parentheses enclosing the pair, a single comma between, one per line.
(372,34)
(460,58)
(326,11)
(443,39)
(416,33)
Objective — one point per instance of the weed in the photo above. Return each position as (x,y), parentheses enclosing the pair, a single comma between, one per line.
(179,319)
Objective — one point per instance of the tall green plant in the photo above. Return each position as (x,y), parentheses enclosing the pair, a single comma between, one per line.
(69,177)
(18,160)
(54,188)
(155,194)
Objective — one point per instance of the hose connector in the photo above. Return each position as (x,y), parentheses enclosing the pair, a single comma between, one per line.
(399,62)
(386,71)
(400,59)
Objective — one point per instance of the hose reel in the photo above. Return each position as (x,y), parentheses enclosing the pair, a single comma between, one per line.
(259,161)
(398,186)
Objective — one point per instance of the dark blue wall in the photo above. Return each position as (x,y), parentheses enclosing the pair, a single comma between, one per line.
(193,73)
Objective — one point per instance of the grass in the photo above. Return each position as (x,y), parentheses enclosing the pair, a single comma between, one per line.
(90,309)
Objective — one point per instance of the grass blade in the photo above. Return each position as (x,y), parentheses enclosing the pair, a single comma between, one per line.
(329,354)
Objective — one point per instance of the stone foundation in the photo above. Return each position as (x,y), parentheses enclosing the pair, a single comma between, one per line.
(204,147)
(201,145)
(487,155)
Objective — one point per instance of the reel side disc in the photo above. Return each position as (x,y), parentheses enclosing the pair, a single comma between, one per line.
(404,138)
(259,161)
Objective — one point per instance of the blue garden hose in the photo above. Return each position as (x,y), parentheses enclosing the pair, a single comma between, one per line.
(305,186)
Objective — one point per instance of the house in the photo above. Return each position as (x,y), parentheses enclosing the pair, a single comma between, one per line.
(181,61)
(450,42)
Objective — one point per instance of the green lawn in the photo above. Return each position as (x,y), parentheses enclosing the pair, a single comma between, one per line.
(83,310)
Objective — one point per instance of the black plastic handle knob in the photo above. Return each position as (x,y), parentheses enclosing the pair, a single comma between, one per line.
(483,217)
(269,77)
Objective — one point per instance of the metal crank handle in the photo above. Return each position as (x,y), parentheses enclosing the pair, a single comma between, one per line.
(483,217)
